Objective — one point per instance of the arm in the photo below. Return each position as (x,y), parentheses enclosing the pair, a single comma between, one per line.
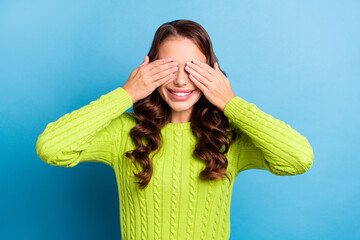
(266,142)
(85,135)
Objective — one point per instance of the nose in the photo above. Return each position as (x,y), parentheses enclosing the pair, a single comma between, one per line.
(181,76)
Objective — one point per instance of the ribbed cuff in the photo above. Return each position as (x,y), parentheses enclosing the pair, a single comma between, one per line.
(121,97)
(231,109)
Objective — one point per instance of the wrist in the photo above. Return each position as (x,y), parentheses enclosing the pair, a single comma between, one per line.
(130,95)
(227,101)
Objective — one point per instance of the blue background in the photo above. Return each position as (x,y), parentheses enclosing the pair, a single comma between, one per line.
(296,60)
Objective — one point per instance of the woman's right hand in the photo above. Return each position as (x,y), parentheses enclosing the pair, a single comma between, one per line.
(149,76)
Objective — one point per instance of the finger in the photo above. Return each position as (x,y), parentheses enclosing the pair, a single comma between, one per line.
(197,75)
(162,68)
(204,66)
(166,71)
(164,80)
(198,84)
(146,60)
(199,70)
(216,66)
(159,62)
(171,77)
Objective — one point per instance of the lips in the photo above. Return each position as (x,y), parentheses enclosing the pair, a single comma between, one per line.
(183,97)
(177,90)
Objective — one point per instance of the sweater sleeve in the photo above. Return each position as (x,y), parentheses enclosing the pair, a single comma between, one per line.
(85,135)
(266,142)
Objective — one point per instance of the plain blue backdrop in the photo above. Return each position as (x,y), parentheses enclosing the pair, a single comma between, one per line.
(296,60)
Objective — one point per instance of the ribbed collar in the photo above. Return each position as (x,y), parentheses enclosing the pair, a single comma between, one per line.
(178,126)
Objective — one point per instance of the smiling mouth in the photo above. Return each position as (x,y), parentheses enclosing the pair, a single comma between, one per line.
(180,93)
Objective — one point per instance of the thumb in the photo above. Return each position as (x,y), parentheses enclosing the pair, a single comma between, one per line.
(216,66)
(146,60)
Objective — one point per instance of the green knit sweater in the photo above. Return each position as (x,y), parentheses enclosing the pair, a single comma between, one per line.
(176,204)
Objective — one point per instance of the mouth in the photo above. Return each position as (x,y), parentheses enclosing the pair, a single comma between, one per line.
(178,91)
(180,95)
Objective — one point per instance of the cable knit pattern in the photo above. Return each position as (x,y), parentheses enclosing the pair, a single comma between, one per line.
(124,208)
(268,143)
(175,188)
(157,202)
(143,213)
(219,209)
(177,203)
(131,208)
(209,200)
(192,201)
(225,205)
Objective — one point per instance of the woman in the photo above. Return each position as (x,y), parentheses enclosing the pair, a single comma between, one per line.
(186,133)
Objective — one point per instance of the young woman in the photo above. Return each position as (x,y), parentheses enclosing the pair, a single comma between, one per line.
(187,133)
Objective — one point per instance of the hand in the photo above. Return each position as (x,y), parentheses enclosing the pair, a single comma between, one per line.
(212,82)
(149,76)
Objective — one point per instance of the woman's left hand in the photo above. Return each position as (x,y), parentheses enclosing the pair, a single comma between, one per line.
(212,82)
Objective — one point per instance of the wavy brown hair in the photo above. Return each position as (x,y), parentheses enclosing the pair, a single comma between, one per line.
(208,123)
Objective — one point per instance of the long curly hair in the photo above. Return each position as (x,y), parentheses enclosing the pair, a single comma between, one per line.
(208,123)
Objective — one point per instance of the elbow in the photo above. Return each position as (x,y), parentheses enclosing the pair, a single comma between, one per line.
(300,163)
(309,160)
(44,151)
(305,160)
(40,149)
(55,156)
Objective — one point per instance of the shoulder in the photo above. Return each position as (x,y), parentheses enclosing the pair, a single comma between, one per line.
(234,127)
(242,139)
(127,119)
(122,124)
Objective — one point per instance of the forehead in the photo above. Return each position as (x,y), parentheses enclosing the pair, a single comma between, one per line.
(180,50)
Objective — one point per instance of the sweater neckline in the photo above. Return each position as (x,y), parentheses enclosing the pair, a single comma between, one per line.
(178,126)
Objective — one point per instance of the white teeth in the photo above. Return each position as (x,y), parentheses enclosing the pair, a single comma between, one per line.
(180,94)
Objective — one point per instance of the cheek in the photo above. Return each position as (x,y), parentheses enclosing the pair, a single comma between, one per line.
(161,91)
(199,92)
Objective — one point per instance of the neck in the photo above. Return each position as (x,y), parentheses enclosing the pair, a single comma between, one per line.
(181,116)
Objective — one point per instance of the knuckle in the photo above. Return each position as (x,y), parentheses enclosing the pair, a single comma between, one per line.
(146,84)
(169,71)
(144,77)
(160,75)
